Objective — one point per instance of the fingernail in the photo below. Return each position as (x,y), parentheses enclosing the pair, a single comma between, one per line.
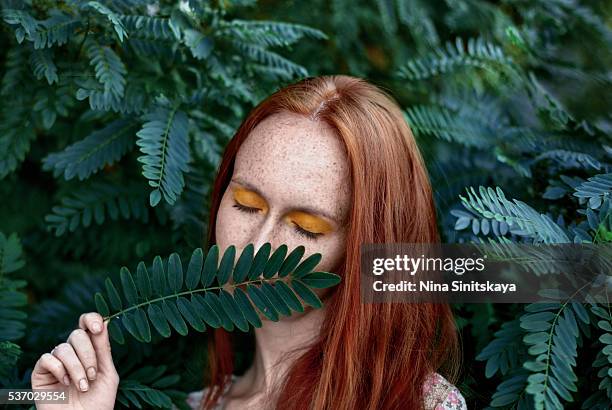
(96,327)
(83,385)
(91,373)
(66,380)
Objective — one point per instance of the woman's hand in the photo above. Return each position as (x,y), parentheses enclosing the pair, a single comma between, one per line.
(84,364)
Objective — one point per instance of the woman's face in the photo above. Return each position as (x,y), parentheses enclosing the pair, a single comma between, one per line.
(290,186)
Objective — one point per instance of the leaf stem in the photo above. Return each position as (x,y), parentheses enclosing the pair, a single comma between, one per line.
(187,292)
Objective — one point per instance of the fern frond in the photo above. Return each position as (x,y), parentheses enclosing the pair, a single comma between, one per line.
(134,100)
(476,53)
(503,353)
(218,293)
(16,70)
(144,387)
(552,335)
(268,33)
(43,65)
(443,123)
(522,219)
(56,30)
(95,203)
(604,356)
(110,70)
(111,16)
(595,190)
(151,28)
(9,354)
(16,134)
(570,159)
(269,58)
(164,141)
(27,24)
(200,44)
(99,149)
(12,299)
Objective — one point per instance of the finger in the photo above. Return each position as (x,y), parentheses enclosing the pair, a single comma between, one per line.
(48,364)
(81,343)
(66,354)
(102,347)
(91,321)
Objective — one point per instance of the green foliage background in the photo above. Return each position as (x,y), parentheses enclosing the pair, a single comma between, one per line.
(113,115)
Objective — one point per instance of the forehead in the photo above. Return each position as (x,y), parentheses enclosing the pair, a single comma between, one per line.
(291,158)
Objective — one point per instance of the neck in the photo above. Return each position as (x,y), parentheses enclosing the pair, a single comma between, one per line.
(274,344)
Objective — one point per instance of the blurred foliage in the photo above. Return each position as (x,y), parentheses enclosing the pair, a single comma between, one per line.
(114,113)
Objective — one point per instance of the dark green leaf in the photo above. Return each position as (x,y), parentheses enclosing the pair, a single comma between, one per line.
(175,273)
(158,319)
(129,323)
(113,295)
(275,262)
(278,303)
(307,266)
(226,265)
(233,311)
(292,261)
(260,260)
(320,280)
(205,311)
(158,276)
(144,283)
(243,265)
(173,316)
(189,313)
(101,305)
(308,296)
(115,331)
(210,266)
(262,302)
(129,287)
(142,324)
(215,304)
(194,271)
(246,307)
(288,296)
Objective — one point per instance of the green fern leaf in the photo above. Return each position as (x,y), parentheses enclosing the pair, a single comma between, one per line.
(95,203)
(164,141)
(520,217)
(109,69)
(99,149)
(12,299)
(43,65)
(188,301)
(595,190)
(111,16)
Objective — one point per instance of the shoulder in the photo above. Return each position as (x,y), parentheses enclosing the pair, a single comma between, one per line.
(440,394)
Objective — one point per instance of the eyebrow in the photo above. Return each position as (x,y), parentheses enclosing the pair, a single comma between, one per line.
(306,209)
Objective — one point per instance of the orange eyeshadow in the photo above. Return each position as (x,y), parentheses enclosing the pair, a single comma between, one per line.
(249,198)
(309,222)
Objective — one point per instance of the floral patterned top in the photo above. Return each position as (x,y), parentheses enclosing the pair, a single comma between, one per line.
(440,394)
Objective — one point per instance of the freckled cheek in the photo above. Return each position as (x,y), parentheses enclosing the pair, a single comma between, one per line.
(233,227)
(332,249)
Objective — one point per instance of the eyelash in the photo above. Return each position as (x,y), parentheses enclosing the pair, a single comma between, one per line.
(298,229)
(246,209)
(305,233)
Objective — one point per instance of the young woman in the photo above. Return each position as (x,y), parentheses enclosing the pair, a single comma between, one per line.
(328,163)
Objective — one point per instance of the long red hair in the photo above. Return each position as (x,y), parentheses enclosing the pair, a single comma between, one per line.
(367,356)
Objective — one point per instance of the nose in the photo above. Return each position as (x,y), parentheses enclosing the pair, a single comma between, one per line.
(265,233)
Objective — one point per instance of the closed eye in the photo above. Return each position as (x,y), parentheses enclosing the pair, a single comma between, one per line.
(304,232)
(247,209)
